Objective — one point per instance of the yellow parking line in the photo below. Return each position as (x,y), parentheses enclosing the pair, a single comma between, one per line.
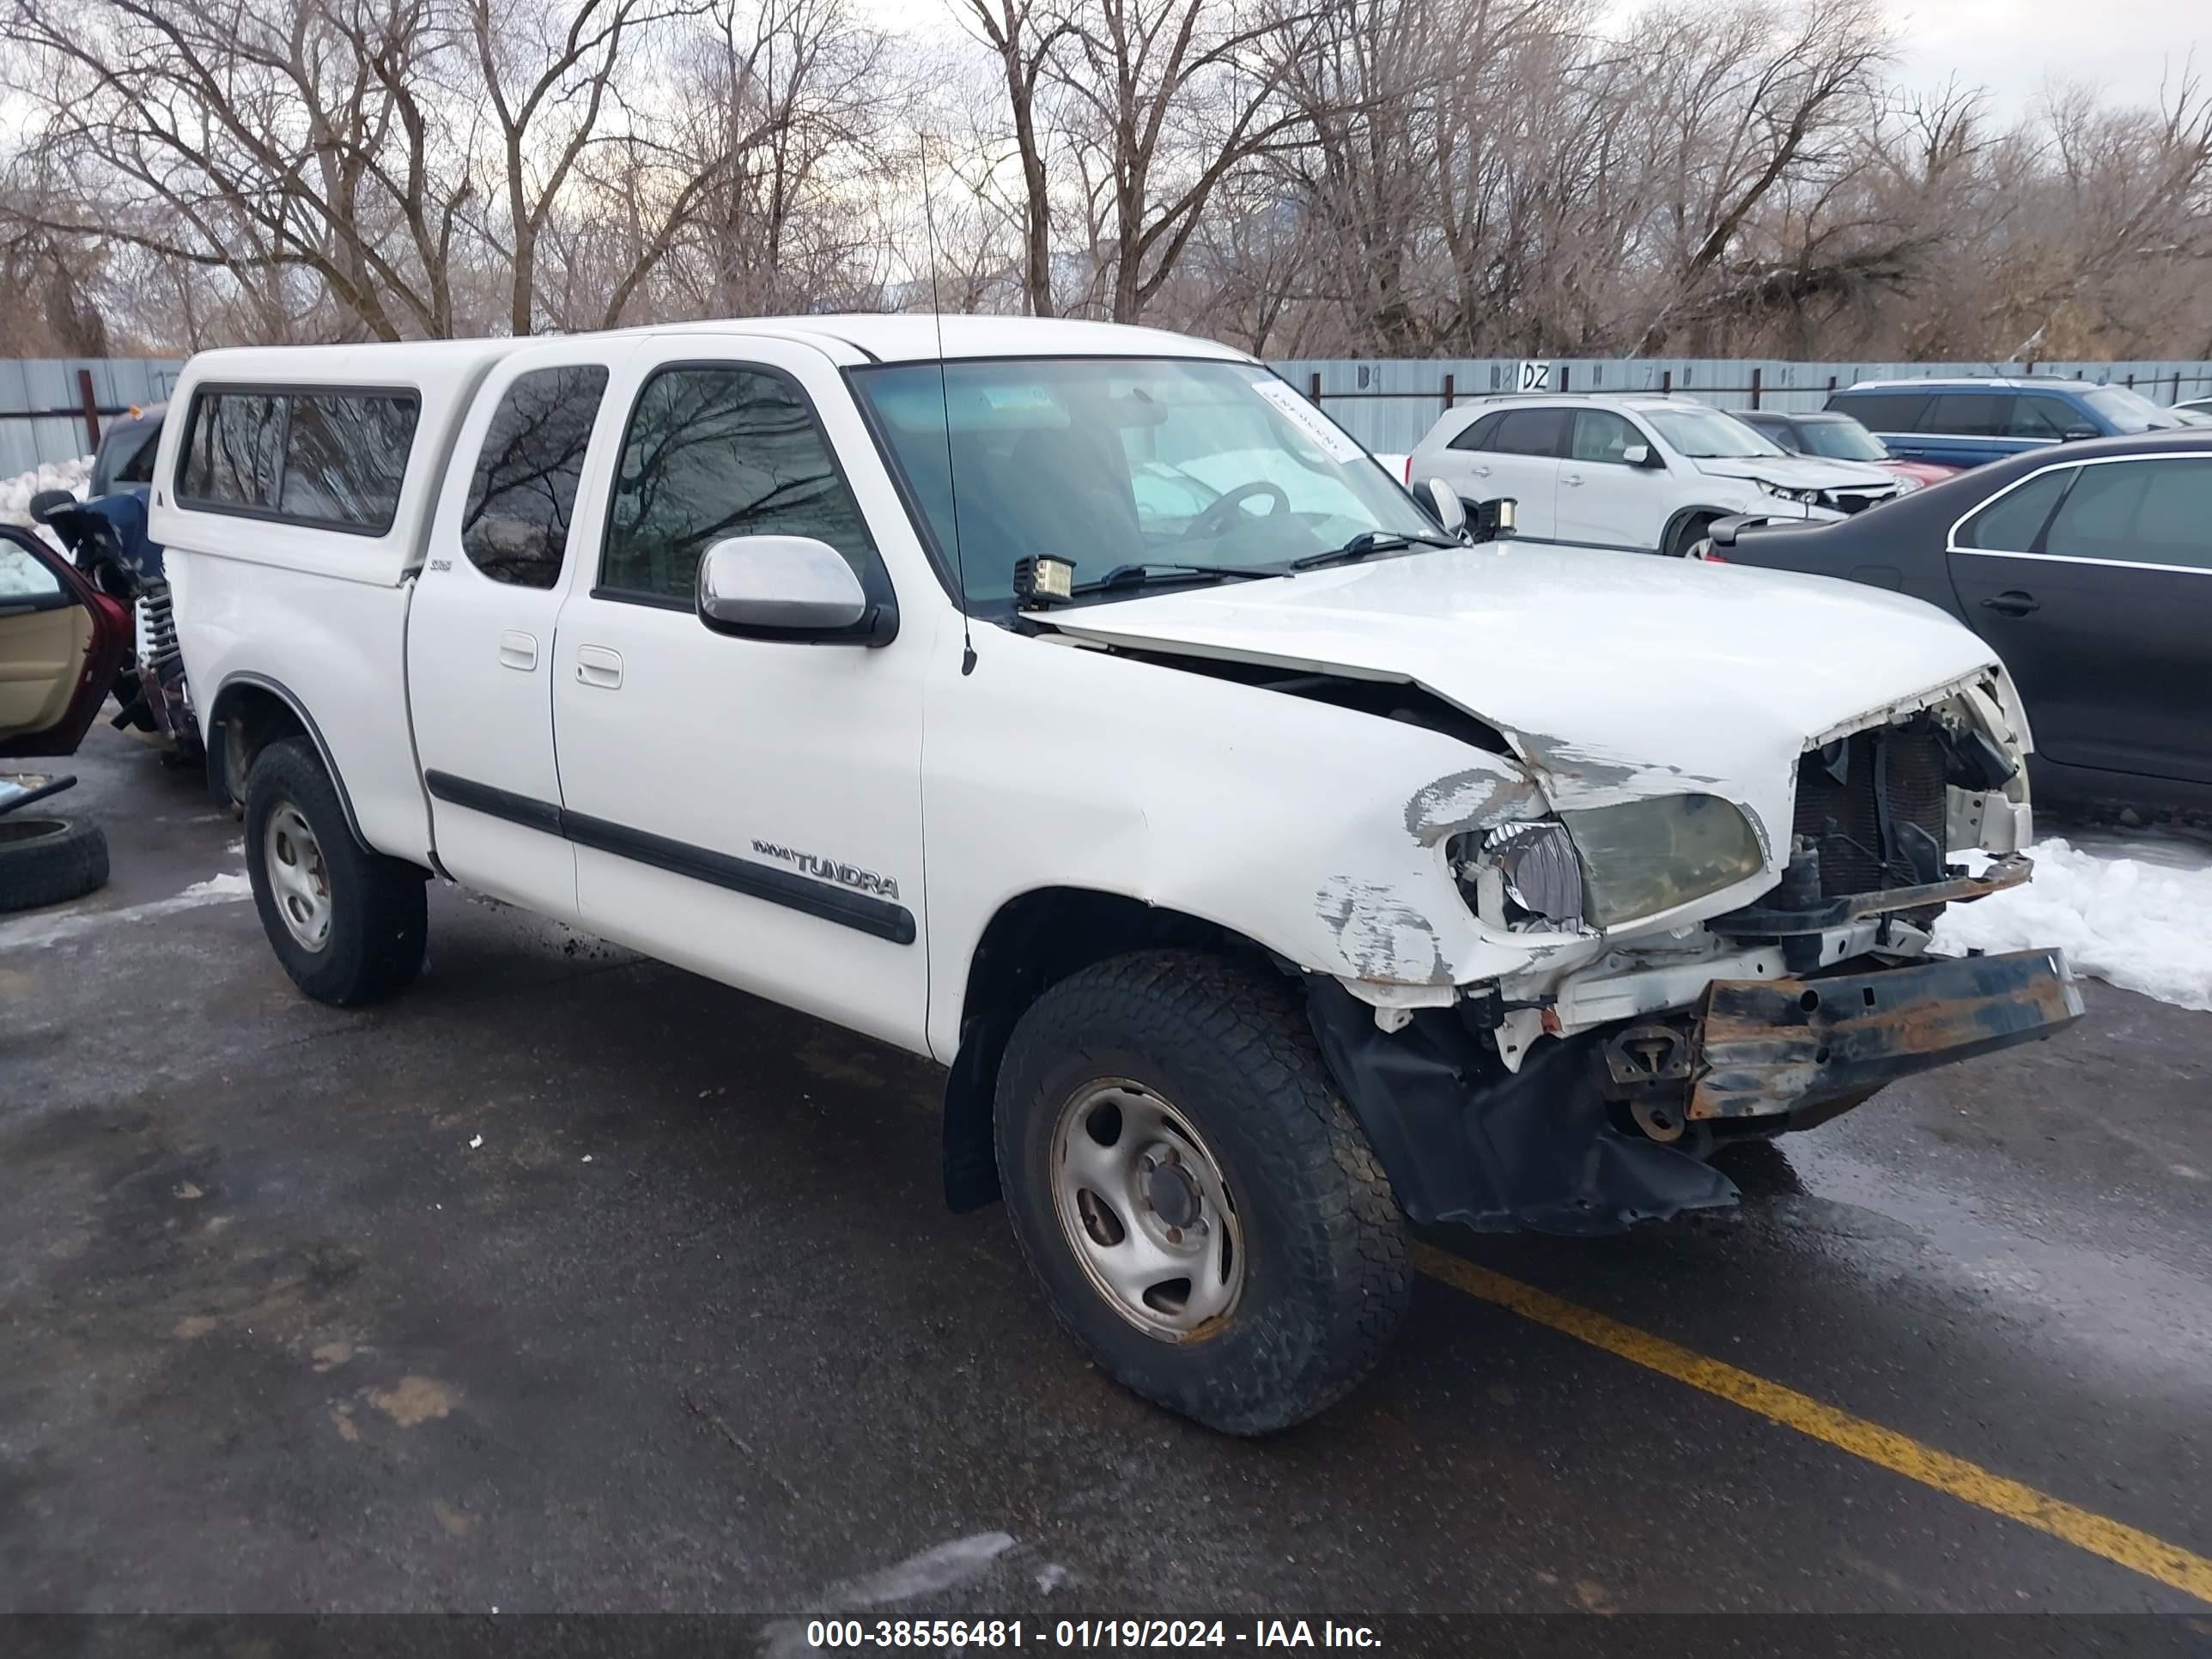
(1900,1454)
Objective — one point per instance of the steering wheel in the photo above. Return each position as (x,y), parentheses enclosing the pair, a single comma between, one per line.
(1219,516)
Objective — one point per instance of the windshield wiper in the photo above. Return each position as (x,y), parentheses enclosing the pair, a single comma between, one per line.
(1367,542)
(1153,570)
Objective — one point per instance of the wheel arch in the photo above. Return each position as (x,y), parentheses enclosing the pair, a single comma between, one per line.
(249,712)
(1032,942)
(1683,517)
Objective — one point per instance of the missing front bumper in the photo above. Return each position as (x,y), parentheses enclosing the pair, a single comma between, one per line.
(1465,1141)
(1763,1047)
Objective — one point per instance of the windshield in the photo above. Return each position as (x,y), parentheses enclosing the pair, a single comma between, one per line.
(1114,462)
(1843,440)
(1707,434)
(2129,412)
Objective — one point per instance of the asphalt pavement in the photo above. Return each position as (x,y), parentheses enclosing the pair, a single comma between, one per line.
(570,1281)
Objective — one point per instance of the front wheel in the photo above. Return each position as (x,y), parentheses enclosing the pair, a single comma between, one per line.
(348,924)
(1206,1219)
(1688,533)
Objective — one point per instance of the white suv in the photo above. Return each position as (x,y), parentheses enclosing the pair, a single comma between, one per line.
(1641,474)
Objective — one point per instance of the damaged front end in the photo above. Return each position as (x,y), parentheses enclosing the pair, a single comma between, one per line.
(1587,1091)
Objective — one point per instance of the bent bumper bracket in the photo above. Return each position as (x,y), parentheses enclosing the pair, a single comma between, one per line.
(1787,1045)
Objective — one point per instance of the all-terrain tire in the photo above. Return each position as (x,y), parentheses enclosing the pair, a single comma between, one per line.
(45,860)
(1326,1272)
(378,912)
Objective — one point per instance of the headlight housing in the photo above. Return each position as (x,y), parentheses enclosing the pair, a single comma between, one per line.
(1650,855)
(1806,496)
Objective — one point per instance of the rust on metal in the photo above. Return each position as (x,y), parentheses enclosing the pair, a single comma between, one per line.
(1780,1045)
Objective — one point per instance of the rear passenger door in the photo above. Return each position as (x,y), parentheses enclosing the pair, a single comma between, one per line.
(480,661)
(2094,584)
(1514,453)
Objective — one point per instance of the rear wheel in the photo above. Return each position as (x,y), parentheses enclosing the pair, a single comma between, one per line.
(46,860)
(1206,1218)
(348,924)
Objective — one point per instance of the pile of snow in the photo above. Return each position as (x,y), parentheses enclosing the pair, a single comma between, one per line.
(15,493)
(2142,923)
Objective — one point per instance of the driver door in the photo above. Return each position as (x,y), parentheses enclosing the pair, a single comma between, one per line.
(61,643)
(750,809)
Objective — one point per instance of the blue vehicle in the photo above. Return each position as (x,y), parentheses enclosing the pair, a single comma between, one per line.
(1966,421)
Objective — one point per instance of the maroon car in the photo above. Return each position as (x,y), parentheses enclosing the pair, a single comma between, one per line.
(1839,438)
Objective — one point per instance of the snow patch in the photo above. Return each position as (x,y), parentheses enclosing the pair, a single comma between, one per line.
(2142,923)
(15,493)
(55,929)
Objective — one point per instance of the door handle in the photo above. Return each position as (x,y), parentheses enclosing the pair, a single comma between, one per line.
(598,665)
(2013,603)
(1482,472)
(517,650)
(1571,477)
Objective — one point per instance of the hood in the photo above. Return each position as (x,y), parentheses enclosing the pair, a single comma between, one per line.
(1613,676)
(1796,472)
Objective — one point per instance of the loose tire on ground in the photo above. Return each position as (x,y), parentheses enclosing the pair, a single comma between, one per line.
(1218,1060)
(45,860)
(348,924)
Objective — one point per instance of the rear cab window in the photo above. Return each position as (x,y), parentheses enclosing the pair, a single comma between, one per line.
(522,496)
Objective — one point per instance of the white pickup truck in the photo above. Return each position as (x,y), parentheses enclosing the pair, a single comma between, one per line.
(1269,861)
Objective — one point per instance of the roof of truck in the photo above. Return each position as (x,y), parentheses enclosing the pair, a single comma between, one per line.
(891,338)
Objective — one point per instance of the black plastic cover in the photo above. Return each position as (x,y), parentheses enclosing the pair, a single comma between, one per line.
(1464,1141)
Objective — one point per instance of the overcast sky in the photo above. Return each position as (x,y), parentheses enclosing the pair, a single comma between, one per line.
(2013,46)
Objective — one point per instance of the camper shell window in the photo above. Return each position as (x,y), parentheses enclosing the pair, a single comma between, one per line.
(328,458)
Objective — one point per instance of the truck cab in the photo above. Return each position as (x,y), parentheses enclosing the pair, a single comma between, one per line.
(1270,866)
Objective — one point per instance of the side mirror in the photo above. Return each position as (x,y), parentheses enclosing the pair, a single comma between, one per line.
(47,503)
(1445,505)
(1639,455)
(2074,435)
(789,587)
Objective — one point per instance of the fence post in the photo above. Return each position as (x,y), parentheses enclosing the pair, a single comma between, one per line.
(1448,392)
(1314,390)
(91,409)
(2176,387)
(1756,376)
(1566,375)
(1666,382)
(2131,380)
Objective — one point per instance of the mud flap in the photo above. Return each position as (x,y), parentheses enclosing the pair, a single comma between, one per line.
(1464,1141)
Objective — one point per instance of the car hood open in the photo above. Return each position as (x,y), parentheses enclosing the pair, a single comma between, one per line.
(1613,676)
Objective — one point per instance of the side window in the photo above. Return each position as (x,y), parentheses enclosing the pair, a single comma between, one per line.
(1483,435)
(1972,414)
(334,459)
(2011,523)
(2156,511)
(715,452)
(1781,432)
(2041,416)
(232,455)
(1885,411)
(24,580)
(139,469)
(1602,435)
(344,457)
(523,494)
(1530,432)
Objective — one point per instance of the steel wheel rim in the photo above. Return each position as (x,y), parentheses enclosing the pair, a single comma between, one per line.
(1147,1211)
(299,879)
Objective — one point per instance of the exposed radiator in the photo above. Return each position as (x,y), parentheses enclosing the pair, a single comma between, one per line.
(1838,811)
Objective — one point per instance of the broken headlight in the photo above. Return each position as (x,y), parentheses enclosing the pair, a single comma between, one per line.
(1537,865)
(1651,855)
